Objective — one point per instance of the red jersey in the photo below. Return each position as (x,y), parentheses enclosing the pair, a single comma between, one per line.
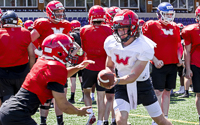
(167,38)
(45,28)
(14,44)
(191,35)
(92,41)
(43,72)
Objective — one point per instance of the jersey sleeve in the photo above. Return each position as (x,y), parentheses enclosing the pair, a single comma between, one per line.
(107,45)
(146,29)
(38,23)
(56,73)
(186,35)
(67,27)
(146,55)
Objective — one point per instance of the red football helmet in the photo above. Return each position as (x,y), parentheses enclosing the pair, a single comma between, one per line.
(110,13)
(59,47)
(75,24)
(96,13)
(125,19)
(197,14)
(28,24)
(1,13)
(141,22)
(52,7)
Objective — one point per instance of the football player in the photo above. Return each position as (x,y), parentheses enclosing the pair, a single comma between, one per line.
(75,33)
(14,67)
(43,27)
(110,13)
(92,39)
(191,38)
(20,23)
(166,34)
(141,23)
(46,80)
(1,13)
(129,52)
(180,68)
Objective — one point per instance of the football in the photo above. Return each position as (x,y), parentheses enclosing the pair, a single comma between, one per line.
(106,78)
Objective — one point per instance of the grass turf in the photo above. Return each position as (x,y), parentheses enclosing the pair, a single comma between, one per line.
(182,111)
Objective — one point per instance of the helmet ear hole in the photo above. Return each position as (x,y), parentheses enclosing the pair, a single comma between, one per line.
(59,53)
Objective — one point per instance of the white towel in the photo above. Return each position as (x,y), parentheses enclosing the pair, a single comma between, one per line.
(132,94)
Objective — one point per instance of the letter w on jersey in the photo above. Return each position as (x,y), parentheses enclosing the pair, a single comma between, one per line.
(124,61)
(168,32)
(60,30)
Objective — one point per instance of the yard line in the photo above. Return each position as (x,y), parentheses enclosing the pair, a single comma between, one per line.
(169,119)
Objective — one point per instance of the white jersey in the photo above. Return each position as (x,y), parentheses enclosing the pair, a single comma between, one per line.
(125,57)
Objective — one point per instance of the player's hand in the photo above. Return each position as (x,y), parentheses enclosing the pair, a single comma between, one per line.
(189,74)
(159,64)
(180,63)
(83,111)
(85,63)
(115,83)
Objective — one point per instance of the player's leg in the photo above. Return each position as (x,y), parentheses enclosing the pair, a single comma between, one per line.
(81,81)
(92,93)
(73,88)
(196,86)
(89,78)
(108,105)
(187,85)
(100,106)
(158,81)
(121,108)
(170,84)
(180,73)
(59,113)
(165,102)
(44,110)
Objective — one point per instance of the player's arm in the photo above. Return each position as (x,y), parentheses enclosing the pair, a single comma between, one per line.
(67,107)
(110,64)
(138,68)
(187,60)
(72,70)
(34,35)
(31,55)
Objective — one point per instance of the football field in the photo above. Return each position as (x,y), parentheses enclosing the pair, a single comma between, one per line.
(182,111)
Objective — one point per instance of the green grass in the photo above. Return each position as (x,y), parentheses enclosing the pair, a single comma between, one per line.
(182,111)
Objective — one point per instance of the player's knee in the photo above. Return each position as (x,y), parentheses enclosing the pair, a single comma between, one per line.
(44,107)
(122,120)
(110,98)
(158,92)
(198,95)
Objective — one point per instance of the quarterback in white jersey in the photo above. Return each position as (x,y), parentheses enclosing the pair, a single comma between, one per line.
(130,53)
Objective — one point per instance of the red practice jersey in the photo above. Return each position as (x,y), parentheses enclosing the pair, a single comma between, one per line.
(45,28)
(191,35)
(167,38)
(14,44)
(92,39)
(43,72)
